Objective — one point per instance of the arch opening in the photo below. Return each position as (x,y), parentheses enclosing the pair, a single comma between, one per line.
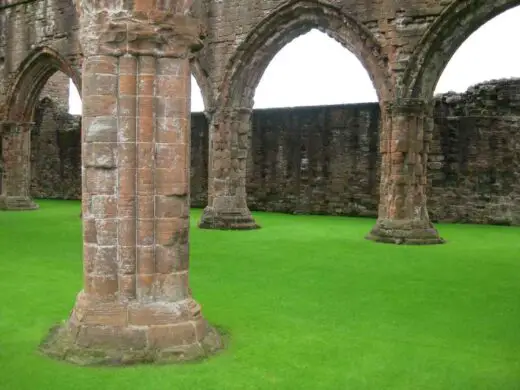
(315,66)
(197,100)
(58,90)
(55,141)
(75,104)
(484,56)
(229,194)
(312,70)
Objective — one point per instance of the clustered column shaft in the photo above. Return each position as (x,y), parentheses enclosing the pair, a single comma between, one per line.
(230,135)
(128,176)
(405,138)
(16,172)
(136,303)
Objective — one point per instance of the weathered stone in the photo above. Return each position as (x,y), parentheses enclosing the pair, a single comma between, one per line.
(326,160)
(227,203)
(142,50)
(136,303)
(15,172)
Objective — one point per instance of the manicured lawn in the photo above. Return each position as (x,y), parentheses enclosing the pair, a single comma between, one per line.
(308,302)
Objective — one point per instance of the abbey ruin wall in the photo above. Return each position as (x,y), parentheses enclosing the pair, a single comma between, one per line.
(474,167)
(325,160)
(55,153)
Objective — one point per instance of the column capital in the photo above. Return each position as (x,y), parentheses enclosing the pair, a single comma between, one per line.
(236,110)
(228,110)
(154,33)
(229,113)
(408,106)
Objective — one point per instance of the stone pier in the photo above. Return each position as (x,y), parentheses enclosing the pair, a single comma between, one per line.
(136,305)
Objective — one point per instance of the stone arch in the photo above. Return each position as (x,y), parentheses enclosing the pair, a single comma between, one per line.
(289,21)
(30,79)
(461,19)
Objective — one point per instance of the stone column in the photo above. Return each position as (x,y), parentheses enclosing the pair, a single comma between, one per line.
(230,138)
(16,167)
(406,132)
(136,305)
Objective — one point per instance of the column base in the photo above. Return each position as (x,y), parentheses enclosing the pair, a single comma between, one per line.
(405,232)
(116,333)
(227,219)
(17,203)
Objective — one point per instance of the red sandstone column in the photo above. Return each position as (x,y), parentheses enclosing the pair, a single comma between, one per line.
(16,172)
(403,218)
(230,135)
(136,305)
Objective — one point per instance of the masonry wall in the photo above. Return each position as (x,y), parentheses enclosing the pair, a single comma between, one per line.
(57,89)
(55,153)
(474,163)
(321,160)
(325,160)
(199,160)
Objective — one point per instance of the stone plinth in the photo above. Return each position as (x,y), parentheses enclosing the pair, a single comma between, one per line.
(122,333)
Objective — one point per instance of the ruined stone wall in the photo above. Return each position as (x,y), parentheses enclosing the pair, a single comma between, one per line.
(325,160)
(55,153)
(320,160)
(57,89)
(474,162)
(199,160)
(3,59)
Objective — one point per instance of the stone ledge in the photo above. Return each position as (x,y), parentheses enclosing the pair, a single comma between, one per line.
(105,333)
(405,232)
(118,347)
(17,203)
(227,220)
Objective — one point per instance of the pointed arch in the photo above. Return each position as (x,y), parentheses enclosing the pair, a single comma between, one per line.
(289,21)
(440,42)
(30,79)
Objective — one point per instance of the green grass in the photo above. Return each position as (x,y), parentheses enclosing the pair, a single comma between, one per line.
(308,302)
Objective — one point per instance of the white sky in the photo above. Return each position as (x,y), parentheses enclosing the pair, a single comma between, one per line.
(316,70)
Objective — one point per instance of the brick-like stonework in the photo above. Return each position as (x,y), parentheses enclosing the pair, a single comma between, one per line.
(325,160)
(404,45)
(55,153)
(135,58)
(474,161)
(57,89)
(136,303)
(37,39)
(316,160)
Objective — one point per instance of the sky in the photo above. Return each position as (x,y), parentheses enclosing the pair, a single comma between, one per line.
(314,69)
